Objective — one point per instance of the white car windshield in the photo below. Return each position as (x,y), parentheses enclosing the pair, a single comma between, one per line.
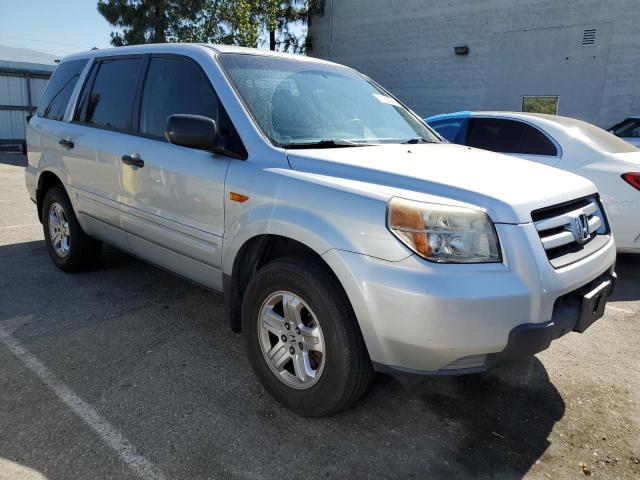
(300,104)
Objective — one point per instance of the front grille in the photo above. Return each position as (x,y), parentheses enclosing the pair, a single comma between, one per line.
(559,232)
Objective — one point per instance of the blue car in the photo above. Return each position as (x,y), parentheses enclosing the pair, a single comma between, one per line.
(451,126)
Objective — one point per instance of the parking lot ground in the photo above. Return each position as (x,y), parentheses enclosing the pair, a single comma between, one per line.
(130,372)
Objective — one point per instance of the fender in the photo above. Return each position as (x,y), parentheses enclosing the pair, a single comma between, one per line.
(296,223)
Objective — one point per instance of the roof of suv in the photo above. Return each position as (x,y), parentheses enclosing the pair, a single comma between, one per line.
(185,48)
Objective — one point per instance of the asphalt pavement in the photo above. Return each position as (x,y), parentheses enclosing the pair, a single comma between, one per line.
(130,372)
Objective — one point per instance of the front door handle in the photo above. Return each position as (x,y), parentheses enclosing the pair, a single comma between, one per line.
(133,160)
(66,142)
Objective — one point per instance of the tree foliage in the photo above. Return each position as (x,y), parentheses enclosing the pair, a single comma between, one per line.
(234,22)
(149,21)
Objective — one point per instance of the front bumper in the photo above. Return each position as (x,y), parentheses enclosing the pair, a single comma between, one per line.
(425,318)
(569,315)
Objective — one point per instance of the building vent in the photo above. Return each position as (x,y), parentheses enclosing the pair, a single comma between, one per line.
(589,37)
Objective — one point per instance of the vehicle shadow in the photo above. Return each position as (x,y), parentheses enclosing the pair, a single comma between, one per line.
(14,159)
(628,270)
(506,417)
(153,354)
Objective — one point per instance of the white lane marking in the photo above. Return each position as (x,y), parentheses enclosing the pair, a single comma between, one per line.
(20,226)
(617,309)
(114,439)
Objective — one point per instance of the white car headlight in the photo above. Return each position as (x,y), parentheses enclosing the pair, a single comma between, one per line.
(442,233)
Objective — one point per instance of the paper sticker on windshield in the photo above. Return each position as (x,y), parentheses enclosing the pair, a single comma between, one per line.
(387,100)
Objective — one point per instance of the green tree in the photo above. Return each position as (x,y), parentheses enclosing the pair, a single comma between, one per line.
(150,21)
(278,16)
(232,22)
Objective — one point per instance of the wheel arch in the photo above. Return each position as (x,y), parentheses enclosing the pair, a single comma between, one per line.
(252,255)
(46,180)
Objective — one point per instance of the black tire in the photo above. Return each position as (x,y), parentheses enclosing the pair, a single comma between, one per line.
(347,370)
(83,251)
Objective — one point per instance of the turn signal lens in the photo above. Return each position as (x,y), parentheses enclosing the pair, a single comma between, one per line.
(238,197)
(408,224)
(442,233)
(633,179)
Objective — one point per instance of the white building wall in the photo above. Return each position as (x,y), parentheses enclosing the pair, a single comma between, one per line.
(517,47)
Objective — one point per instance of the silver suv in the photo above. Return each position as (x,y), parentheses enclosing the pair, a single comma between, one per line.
(346,236)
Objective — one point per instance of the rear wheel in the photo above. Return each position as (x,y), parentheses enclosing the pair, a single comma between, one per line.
(302,338)
(70,248)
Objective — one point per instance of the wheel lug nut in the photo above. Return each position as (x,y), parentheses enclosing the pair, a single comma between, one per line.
(287,326)
(292,350)
(297,330)
(300,345)
(284,338)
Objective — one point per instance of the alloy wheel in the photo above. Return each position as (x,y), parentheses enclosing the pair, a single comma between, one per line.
(291,340)
(59,232)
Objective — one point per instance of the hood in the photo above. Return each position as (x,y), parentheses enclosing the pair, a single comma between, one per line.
(508,189)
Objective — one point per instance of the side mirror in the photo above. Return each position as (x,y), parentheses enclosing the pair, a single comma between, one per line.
(194,131)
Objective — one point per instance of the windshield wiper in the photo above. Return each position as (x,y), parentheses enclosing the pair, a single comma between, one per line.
(420,140)
(326,143)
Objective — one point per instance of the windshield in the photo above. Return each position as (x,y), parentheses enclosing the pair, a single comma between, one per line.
(305,103)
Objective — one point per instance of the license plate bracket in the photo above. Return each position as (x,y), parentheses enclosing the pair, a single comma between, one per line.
(593,305)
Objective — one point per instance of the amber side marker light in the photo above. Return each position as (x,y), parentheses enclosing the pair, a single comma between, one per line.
(238,197)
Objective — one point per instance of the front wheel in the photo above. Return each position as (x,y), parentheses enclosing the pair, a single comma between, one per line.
(302,338)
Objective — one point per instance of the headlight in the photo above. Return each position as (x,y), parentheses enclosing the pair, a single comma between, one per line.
(442,233)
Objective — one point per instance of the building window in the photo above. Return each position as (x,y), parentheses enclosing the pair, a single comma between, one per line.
(540,104)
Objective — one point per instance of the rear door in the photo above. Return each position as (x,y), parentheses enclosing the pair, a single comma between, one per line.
(101,130)
(512,137)
(48,127)
(174,204)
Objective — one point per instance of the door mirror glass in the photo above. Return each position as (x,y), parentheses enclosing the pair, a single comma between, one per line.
(193,131)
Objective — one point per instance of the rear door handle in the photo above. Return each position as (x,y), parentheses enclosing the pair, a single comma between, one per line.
(66,142)
(133,160)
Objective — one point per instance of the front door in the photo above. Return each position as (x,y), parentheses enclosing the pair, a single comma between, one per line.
(173,196)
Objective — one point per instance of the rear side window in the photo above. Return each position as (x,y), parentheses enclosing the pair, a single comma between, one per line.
(534,142)
(109,100)
(508,136)
(453,129)
(174,86)
(59,89)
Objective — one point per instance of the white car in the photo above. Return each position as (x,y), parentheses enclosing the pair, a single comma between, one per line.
(566,143)
(628,130)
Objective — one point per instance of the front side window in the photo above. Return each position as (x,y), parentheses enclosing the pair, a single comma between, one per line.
(174,86)
(453,129)
(59,89)
(296,102)
(109,102)
(509,136)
